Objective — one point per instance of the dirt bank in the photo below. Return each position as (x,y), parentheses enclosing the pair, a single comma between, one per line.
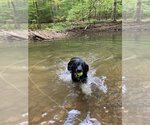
(75,32)
(132,27)
(138,27)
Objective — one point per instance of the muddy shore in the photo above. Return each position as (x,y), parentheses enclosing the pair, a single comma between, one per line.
(91,29)
(111,27)
(75,32)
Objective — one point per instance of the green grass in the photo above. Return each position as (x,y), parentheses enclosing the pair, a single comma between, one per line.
(60,26)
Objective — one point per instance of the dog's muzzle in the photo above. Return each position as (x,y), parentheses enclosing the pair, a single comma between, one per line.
(79,73)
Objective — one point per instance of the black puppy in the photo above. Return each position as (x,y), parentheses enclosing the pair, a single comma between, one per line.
(78,69)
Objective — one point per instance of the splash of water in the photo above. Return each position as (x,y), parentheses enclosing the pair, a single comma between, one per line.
(86,89)
(71,116)
(43,123)
(90,121)
(65,75)
(99,82)
(87,121)
(23,123)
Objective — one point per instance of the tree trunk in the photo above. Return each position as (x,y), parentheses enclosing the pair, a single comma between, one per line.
(138,11)
(115,11)
(82,11)
(17,26)
(89,13)
(37,12)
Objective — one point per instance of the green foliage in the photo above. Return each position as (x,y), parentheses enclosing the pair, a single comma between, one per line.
(55,11)
(130,6)
(78,12)
(13,13)
(59,12)
(60,26)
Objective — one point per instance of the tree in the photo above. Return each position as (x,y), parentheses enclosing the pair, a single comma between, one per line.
(115,11)
(37,14)
(138,11)
(78,11)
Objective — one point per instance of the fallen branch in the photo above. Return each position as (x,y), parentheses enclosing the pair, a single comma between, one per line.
(14,35)
(21,35)
(37,36)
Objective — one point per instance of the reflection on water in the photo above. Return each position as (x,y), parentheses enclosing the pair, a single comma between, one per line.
(51,92)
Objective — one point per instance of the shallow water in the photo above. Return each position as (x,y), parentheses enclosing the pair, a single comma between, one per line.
(136,72)
(51,92)
(13,83)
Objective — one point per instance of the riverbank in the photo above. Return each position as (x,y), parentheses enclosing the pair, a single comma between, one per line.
(103,27)
(107,27)
(75,32)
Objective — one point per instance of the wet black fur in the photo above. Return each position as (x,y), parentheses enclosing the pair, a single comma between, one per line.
(75,64)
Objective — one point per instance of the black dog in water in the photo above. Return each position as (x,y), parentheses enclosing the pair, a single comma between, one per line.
(78,69)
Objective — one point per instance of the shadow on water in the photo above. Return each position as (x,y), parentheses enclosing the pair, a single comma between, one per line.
(53,99)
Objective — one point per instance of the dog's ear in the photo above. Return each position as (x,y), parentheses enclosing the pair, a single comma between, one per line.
(70,66)
(86,67)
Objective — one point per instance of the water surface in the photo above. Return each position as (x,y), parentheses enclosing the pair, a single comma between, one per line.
(51,92)
(135,69)
(13,82)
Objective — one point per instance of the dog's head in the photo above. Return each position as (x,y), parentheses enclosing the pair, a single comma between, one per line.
(78,67)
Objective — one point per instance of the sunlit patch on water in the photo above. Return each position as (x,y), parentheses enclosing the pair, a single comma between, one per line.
(65,76)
